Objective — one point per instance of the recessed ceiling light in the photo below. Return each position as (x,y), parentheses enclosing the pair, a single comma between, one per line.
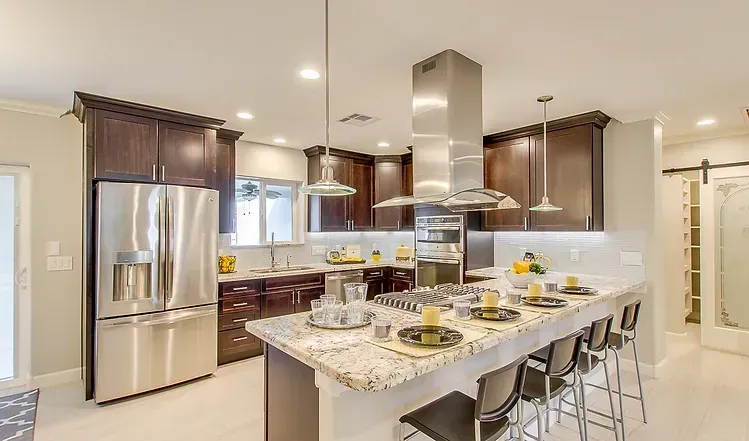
(310,74)
(279,140)
(383,144)
(245,115)
(705,122)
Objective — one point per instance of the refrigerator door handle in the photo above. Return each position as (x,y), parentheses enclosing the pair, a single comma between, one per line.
(162,248)
(170,247)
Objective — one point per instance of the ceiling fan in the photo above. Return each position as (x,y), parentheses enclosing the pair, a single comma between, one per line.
(249,192)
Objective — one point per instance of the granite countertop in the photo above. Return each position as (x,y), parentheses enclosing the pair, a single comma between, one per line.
(345,357)
(495,272)
(314,268)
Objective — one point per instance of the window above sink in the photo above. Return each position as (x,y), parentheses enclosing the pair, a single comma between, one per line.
(266,206)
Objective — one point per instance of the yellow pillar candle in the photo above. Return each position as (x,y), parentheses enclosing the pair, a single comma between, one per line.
(491,299)
(535,290)
(430,315)
(572,281)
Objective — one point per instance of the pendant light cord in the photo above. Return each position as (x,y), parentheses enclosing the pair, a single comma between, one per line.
(545,164)
(327,95)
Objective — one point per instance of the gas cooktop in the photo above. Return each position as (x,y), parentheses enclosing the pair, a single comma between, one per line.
(441,296)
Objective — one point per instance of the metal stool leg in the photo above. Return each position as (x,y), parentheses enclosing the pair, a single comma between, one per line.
(584,405)
(621,394)
(611,400)
(559,411)
(539,421)
(577,412)
(401,432)
(639,383)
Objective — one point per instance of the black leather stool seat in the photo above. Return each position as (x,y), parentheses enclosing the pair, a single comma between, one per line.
(451,418)
(535,386)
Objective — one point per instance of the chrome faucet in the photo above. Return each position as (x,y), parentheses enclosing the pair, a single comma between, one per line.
(273,262)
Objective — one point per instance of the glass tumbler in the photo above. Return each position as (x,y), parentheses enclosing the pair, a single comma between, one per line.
(356,296)
(381,329)
(318,313)
(327,305)
(336,310)
(462,309)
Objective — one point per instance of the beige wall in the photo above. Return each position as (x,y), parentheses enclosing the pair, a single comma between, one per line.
(632,180)
(52,147)
(268,161)
(717,151)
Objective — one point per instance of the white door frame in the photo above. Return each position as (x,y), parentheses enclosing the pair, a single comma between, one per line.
(721,338)
(22,277)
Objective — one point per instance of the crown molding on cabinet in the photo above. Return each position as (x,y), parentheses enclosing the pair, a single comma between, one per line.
(595,117)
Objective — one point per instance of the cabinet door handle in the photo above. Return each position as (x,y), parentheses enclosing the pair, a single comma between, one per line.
(398,225)
(525,223)
(587,223)
(163,172)
(240,338)
(352,225)
(239,320)
(153,172)
(240,304)
(293,299)
(239,288)
(298,297)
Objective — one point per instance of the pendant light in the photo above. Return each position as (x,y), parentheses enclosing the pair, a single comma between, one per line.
(545,205)
(327,185)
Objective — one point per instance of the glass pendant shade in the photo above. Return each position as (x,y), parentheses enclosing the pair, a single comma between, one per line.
(327,186)
(545,205)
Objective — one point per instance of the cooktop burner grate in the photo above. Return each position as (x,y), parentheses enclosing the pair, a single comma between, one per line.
(441,296)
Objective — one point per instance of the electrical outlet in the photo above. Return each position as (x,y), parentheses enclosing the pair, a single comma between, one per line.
(575,255)
(631,258)
(60,263)
(318,250)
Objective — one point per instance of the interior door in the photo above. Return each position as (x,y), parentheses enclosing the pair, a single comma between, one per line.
(15,305)
(191,276)
(724,241)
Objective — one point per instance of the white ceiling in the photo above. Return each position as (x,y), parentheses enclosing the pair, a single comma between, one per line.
(630,59)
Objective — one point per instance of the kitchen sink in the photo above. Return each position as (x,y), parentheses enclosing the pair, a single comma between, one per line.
(280,269)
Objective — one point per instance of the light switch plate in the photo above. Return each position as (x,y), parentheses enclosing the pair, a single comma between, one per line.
(631,258)
(575,255)
(52,248)
(318,250)
(60,263)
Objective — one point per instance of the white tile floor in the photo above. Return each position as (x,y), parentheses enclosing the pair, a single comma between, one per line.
(703,399)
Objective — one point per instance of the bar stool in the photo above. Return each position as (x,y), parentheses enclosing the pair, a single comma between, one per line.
(541,386)
(597,342)
(458,417)
(617,342)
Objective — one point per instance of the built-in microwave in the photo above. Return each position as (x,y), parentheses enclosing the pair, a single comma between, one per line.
(439,250)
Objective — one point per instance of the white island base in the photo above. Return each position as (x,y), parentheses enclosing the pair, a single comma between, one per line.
(344,414)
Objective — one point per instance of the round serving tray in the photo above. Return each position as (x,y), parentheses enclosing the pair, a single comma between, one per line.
(368,315)
(544,301)
(577,290)
(430,336)
(495,314)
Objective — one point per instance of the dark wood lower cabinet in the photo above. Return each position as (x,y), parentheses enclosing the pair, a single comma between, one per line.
(236,345)
(400,285)
(305,295)
(277,303)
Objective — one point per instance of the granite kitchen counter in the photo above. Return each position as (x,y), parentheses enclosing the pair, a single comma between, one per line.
(348,359)
(314,268)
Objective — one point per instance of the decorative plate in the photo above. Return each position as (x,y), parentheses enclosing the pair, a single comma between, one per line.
(430,336)
(368,315)
(578,290)
(495,314)
(544,301)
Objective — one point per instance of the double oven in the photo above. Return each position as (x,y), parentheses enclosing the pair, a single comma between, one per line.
(440,250)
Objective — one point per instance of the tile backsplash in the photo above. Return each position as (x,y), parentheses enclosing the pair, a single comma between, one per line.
(302,254)
(599,252)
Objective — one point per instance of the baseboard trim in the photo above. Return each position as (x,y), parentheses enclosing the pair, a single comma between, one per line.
(653,371)
(55,378)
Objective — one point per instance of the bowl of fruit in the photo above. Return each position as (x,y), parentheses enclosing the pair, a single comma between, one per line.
(522,273)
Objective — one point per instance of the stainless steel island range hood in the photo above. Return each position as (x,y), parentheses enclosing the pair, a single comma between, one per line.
(448,147)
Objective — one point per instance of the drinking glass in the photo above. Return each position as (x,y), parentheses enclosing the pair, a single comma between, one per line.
(462,309)
(335,311)
(381,329)
(356,295)
(318,313)
(327,305)
(513,296)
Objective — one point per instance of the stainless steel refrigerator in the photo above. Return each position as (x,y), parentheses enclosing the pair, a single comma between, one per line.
(156,287)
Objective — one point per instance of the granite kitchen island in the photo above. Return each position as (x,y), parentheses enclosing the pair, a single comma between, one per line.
(335,386)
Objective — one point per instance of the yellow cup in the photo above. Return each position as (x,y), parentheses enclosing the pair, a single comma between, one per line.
(491,299)
(535,290)
(572,281)
(430,315)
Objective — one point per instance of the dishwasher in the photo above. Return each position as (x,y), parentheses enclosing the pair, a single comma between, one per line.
(334,282)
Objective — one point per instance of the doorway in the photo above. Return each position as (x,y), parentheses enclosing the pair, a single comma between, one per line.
(14,287)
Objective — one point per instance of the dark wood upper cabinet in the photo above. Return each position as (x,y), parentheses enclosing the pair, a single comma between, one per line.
(407,189)
(360,203)
(125,147)
(575,174)
(507,169)
(334,210)
(388,171)
(226,179)
(187,155)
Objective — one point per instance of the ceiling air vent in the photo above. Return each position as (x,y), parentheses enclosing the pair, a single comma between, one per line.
(430,65)
(359,120)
